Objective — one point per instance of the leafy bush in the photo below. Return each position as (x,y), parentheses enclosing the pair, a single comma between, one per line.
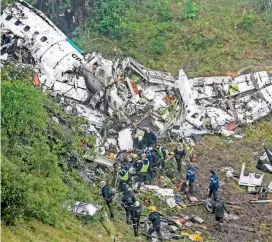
(199,41)
(157,45)
(111,17)
(191,8)
(14,190)
(264,6)
(21,111)
(33,184)
(246,20)
(163,10)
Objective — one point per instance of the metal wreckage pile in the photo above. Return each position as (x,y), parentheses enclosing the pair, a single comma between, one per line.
(120,98)
(123,97)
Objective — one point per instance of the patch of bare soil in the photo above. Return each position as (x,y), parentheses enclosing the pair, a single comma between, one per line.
(255,220)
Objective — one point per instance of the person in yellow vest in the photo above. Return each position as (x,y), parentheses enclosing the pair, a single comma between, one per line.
(142,170)
(123,177)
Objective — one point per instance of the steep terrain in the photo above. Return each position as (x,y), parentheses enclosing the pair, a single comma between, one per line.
(210,37)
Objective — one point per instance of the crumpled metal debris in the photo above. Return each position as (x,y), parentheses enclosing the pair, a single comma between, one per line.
(127,94)
(265,161)
(84,208)
(165,194)
(252,179)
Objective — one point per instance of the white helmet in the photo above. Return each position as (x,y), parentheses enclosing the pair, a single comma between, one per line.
(102,183)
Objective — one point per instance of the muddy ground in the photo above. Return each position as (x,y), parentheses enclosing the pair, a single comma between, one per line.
(255,220)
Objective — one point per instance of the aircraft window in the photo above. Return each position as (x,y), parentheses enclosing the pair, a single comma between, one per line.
(26,28)
(18,22)
(35,34)
(43,39)
(9,17)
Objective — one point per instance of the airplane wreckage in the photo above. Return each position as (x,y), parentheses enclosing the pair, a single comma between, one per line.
(120,98)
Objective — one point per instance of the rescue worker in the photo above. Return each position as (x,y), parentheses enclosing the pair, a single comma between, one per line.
(149,156)
(108,196)
(135,158)
(128,202)
(170,169)
(190,178)
(142,170)
(193,158)
(214,185)
(137,212)
(149,138)
(162,156)
(155,219)
(124,177)
(179,156)
(218,210)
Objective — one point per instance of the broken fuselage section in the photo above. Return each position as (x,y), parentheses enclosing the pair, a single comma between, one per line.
(105,91)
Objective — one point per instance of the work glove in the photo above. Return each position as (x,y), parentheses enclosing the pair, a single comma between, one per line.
(187,183)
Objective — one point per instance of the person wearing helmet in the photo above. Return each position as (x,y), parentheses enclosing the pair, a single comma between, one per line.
(128,202)
(214,185)
(135,159)
(193,158)
(123,176)
(142,169)
(149,156)
(179,156)
(155,219)
(137,212)
(149,138)
(190,178)
(108,196)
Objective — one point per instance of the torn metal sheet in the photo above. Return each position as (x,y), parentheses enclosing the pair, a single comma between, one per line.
(252,179)
(84,208)
(124,91)
(104,161)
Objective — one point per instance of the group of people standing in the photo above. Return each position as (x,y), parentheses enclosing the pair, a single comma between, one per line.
(145,162)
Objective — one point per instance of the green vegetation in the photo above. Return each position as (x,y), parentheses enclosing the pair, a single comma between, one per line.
(33,184)
(39,182)
(213,37)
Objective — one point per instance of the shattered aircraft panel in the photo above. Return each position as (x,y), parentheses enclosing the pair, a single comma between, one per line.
(127,92)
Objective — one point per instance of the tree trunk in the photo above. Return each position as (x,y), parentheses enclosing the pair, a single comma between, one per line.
(79,9)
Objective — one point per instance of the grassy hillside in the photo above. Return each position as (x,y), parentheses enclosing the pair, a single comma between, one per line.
(207,37)
(204,37)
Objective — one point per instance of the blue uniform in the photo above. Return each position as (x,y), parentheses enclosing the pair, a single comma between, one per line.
(214,185)
(149,155)
(214,182)
(124,166)
(190,176)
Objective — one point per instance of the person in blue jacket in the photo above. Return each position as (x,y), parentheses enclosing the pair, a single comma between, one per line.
(214,185)
(149,156)
(190,178)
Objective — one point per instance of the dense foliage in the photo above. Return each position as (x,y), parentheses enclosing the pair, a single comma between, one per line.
(37,182)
